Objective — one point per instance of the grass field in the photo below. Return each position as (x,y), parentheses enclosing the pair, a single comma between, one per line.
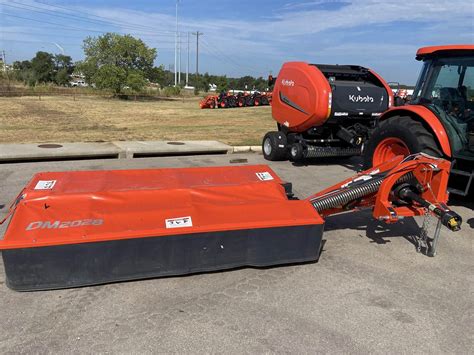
(61,119)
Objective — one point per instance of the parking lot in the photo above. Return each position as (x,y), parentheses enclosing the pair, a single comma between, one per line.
(369,292)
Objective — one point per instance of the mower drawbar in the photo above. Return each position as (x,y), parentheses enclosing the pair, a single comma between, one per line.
(80,228)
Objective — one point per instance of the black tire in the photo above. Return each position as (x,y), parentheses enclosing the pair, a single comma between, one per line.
(296,152)
(264,100)
(274,146)
(414,135)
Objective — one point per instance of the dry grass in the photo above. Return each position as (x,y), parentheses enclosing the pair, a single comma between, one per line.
(61,119)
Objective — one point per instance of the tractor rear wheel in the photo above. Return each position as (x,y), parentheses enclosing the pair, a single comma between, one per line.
(398,135)
(274,146)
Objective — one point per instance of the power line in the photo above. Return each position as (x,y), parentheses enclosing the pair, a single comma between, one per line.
(63,27)
(81,37)
(211,52)
(101,17)
(73,16)
(225,59)
(232,60)
(83,19)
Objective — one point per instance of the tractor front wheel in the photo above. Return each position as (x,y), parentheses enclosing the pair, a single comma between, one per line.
(274,146)
(398,135)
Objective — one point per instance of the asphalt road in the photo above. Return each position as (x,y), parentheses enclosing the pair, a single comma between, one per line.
(369,293)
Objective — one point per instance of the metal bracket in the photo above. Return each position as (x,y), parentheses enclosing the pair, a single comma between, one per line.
(424,244)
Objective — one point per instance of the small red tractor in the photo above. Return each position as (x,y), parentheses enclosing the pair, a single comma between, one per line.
(210,101)
(241,99)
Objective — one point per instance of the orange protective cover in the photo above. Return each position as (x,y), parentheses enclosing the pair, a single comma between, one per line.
(304,84)
(58,208)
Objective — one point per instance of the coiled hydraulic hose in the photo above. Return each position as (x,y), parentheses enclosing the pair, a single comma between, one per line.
(349,194)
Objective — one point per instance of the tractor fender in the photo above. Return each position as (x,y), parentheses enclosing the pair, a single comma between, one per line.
(427,117)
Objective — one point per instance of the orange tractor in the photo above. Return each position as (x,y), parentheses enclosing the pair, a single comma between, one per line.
(439,120)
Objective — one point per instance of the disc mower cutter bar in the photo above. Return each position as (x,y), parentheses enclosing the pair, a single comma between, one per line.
(70,229)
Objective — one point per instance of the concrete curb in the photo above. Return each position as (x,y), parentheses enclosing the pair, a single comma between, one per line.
(108,150)
(247,149)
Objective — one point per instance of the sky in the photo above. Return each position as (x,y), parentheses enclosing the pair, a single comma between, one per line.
(244,37)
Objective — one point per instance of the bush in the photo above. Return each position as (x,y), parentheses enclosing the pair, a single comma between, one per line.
(171,91)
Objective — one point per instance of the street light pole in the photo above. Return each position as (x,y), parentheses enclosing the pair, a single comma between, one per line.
(176,48)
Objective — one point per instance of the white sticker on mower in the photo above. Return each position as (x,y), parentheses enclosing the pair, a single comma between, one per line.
(265,176)
(45,184)
(179,222)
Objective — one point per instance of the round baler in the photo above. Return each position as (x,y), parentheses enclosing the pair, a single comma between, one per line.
(324,110)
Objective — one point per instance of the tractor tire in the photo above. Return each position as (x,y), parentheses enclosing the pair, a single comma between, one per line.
(274,146)
(257,102)
(398,135)
(265,100)
(223,104)
(212,105)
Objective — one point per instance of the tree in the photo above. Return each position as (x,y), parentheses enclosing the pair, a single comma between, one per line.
(63,68)
(110,76)
(114,53)
(135,81)
(43,67)
(158,75)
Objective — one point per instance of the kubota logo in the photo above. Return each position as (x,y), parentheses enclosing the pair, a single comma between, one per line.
(359,98)
(286,82)
(64,224)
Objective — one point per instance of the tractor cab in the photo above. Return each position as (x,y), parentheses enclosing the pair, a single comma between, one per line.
(439,120)
(446,87)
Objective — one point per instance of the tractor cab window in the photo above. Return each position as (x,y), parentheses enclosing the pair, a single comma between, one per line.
(446,86)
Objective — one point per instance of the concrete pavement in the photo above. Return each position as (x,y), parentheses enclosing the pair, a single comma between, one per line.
(369,293)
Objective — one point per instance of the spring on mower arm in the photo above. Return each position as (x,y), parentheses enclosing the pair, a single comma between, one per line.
(342,198)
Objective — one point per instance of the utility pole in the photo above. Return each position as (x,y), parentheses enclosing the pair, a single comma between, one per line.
(179,59)
(176,48)
(187,65)
(197,34)
(4,61)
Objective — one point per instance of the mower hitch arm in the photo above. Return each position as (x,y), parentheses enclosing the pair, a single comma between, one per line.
(402,187)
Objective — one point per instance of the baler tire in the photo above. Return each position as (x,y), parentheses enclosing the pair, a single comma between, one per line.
(406,136)
(296,152)
(274,146)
